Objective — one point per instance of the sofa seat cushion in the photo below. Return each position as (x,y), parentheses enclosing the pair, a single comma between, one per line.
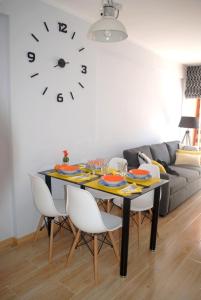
(131,155)
(176,183)
(195,168)
(160,152)
(189,174)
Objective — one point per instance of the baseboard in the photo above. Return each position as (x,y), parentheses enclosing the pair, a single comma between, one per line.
(13,241)
(10,242)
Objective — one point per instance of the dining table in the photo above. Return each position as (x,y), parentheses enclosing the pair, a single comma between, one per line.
(88,180)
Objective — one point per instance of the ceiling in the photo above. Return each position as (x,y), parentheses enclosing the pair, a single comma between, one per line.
(170,28)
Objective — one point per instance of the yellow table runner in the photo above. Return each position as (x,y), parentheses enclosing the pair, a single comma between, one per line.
(82,177)
(125,190)
(143,182)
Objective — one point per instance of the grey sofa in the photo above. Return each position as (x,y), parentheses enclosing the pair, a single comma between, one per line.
(179,188)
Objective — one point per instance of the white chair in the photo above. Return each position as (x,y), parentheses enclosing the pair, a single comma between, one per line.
(48,208)
(86,216)
(144,202)
(116,163)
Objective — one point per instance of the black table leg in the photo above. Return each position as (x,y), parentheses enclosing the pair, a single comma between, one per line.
(154,223)
(48,182)
(125,237)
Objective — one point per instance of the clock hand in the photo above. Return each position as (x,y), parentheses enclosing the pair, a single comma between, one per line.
(61,63)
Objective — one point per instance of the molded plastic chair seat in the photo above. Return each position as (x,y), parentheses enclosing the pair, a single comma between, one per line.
(111,222)
(86,216)
(60,205)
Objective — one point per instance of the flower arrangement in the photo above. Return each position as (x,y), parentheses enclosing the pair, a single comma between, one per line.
(65,157)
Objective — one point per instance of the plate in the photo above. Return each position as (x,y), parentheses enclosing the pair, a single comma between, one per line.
(112,179)
(69,173)
(129,175)
(114,185)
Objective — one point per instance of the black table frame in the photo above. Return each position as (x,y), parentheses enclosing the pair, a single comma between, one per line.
(126,217)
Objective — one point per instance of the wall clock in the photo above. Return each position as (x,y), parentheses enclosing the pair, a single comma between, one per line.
(67,65)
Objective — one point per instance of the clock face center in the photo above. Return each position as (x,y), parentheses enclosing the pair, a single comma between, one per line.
(61,63)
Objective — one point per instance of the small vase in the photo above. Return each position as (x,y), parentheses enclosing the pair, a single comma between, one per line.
(65,160)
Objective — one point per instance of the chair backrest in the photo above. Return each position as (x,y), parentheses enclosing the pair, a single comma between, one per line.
(117,163)
(42,197)
(153,169)
(83,211)
(145,201)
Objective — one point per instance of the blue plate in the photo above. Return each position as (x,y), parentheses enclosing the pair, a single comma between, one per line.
(119,184)
(69,173)
(139,177)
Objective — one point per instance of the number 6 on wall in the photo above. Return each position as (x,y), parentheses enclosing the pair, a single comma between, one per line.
(60,97)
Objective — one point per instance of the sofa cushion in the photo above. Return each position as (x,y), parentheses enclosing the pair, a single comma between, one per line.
(196,168)
(172,148)
(160,151)
(131,155)
(185,158)
(176,183)
(189,174)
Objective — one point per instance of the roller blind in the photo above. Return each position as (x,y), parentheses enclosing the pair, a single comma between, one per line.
(193,82)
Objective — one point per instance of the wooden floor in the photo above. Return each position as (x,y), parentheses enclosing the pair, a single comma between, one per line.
(173,272)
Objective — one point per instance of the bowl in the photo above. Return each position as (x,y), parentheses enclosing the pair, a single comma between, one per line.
(139,173)
(67,169)
(112,179)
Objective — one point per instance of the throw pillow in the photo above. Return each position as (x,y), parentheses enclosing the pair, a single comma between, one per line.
(195,152)
(187,159)
(161,168)
(185,147)
(143,158)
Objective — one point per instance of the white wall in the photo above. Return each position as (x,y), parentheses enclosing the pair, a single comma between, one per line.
(131,97)
(6,205)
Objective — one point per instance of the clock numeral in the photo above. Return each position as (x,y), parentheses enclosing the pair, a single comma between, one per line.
(62,27)
(60,97)
(31,56)
(84,69)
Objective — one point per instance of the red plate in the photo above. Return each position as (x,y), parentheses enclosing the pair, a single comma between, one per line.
(139,172)
(112,178)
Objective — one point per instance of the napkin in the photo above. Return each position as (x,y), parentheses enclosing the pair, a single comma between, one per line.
(130,189)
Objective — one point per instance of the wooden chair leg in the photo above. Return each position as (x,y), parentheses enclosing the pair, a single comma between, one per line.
(76,240)
(139,227)
(51,240)
(95,258)
(114,245)
(38,227)
(108,208)
(71,226)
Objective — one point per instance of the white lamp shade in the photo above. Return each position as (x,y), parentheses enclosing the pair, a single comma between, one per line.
(108,29)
